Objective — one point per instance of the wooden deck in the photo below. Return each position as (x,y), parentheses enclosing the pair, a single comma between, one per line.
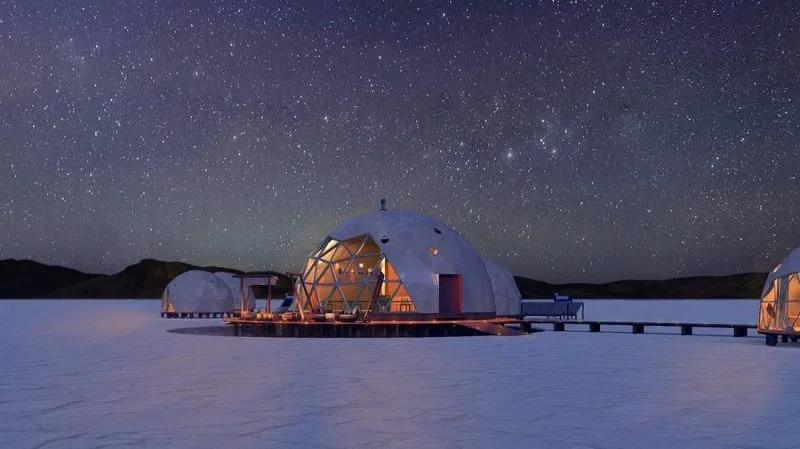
(638,327)
(379,328)
(190,315)
(773,336)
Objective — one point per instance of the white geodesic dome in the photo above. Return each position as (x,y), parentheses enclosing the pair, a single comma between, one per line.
(413,252)
(197,291)
(507,299)
(235,286)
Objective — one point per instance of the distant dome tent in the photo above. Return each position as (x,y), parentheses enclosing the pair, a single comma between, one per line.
(197,291)
(779,311)
(401,262)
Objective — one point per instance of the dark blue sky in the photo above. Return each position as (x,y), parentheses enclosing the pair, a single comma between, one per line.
(590,141)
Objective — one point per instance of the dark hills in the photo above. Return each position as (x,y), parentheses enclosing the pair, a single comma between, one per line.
(29,279)
(147,279)
(744,286)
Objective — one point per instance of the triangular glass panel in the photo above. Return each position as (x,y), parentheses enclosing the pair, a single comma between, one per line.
(324,275)
(328,251)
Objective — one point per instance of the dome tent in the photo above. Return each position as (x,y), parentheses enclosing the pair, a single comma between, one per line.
(196,291)
(779,310)
(235,286)
(410,262)
(507,299)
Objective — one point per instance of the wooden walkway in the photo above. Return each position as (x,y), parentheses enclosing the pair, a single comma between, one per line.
(638,327)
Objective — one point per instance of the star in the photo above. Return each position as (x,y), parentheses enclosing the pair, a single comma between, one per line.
(571,141)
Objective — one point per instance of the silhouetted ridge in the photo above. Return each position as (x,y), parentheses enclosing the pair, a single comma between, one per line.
(31,279)
(148,277)
(145,279)
(745,285)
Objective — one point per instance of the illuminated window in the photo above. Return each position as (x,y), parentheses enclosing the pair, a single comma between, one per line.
(345,276)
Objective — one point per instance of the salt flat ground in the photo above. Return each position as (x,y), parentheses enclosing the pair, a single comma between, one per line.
(90,374)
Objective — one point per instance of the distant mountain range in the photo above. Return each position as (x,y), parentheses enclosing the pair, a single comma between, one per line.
(29,279)
(738,286)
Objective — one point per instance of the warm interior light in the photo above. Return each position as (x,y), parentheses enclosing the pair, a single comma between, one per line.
(433,251)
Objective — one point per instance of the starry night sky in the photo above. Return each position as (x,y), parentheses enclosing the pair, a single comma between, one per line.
(569,141)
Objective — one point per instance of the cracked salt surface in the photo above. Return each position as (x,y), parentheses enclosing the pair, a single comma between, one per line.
(92,374)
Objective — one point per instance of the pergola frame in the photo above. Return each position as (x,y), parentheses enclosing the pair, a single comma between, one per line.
(248,280)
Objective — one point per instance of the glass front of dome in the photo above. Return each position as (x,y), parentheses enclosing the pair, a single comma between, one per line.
(345,276)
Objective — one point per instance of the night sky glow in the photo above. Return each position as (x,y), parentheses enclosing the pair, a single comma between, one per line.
(569,141)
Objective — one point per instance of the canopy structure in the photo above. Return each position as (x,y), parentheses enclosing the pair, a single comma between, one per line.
(243,296)
(197,291)
(403,261)
(507,299)
(780,300)
(246,297)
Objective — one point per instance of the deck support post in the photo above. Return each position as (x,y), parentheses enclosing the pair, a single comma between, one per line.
(687,330)
(739,331)
(594,327)
(525,326)
(784,339)
(638,328)
(772,339)
(558,326)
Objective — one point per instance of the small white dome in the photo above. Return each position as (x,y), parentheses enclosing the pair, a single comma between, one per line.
(197,291)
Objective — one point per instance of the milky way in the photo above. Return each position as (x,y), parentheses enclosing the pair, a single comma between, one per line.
(566,140)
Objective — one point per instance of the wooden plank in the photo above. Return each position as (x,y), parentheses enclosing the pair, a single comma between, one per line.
(491,328)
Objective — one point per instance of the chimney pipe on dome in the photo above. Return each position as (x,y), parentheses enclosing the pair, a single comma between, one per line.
(383,204)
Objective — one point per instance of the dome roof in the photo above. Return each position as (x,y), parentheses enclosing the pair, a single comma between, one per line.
(420,247)
(789,265)
(198,291)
